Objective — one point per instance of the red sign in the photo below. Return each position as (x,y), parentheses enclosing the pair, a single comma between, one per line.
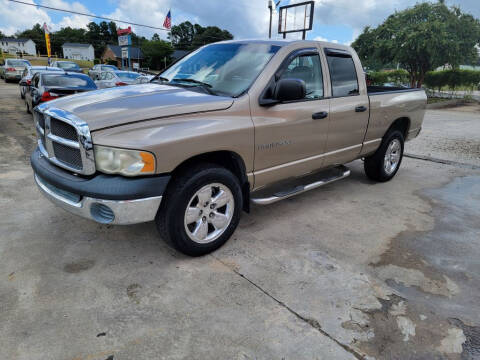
(124,31)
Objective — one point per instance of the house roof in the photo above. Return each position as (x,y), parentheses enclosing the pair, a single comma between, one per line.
(20,40)
(135,52)
(76,45)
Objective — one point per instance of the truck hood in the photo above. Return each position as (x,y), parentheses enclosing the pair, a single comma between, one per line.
(125,104)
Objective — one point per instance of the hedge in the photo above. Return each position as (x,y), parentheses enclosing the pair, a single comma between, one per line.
(395,76)
(452,79)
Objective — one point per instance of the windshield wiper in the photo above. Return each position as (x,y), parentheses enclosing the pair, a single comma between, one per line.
(190,80)
(203,85)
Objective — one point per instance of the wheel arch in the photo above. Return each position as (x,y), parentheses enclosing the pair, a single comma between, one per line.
(402,124)
(227,159)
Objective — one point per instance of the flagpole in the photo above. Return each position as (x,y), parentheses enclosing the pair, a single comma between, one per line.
(271,11)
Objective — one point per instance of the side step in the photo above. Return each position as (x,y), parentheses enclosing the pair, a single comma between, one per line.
(289,188)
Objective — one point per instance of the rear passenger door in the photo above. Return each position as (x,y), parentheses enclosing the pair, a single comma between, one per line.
(348,108)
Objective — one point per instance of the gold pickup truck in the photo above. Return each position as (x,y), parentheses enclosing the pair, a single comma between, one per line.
(232,123)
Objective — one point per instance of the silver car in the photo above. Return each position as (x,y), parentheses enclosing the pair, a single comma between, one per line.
(110,79)
(27,75)
(13,69)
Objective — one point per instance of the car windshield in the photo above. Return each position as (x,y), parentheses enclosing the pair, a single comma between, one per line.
(109,67)
(18,62)
(124,75)
(227,69)
(68,65)
(67,81)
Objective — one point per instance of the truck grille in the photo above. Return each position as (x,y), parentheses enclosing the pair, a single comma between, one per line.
(65,140)
(63,130)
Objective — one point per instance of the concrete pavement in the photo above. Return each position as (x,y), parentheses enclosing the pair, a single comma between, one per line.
(352,270)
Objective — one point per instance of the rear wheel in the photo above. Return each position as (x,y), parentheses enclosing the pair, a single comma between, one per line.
(384,164)
(201,209)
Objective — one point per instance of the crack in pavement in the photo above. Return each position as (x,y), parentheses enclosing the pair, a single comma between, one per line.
(442,161)
(312,322)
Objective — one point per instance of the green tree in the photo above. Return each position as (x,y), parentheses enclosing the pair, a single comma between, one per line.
(420,39)
(188,36)
(155,52)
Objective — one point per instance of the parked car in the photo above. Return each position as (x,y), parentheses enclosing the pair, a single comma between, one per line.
(27,75)
(231,123)
(116,78)
(143,79)
(95,71)
(69,66)
(13,69)
(46,86)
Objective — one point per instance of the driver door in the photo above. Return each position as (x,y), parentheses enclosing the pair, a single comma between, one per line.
(290,137)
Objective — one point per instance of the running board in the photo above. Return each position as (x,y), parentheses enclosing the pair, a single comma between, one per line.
(290,188)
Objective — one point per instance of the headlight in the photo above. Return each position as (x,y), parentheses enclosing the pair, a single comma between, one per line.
(125,162)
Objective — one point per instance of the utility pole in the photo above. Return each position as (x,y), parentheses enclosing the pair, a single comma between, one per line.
(270,7)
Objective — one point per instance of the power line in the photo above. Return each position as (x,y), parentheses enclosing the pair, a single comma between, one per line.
(89,15)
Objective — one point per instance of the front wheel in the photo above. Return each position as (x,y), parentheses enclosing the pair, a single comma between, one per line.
(201,209)
(384,164)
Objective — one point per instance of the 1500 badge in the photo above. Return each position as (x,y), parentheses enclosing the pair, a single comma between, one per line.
(274,145)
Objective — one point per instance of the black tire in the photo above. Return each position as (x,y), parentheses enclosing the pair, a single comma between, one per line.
(22,94)
(374,165)
(171,215)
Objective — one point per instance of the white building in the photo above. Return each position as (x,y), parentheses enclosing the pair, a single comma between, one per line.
(14,46)
(78,51)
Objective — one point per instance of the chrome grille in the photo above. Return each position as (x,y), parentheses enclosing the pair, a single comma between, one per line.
(63,130)
(69,156)
(64,139)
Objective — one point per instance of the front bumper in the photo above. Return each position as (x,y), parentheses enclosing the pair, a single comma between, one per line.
(103,198)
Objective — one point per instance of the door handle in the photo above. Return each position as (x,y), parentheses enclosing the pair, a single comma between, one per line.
(319,115)
(360,108)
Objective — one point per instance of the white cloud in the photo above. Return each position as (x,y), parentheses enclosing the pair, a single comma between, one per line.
(73,21)
(15,17)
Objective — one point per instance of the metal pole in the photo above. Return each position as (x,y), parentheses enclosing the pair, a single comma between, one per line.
(270,26)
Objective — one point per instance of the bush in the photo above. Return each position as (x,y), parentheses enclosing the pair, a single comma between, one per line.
(96,61)
(452,79)
(397,77)
(112,62)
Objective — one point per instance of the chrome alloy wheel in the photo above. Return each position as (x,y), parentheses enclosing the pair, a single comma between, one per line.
(392,156)
(208,213)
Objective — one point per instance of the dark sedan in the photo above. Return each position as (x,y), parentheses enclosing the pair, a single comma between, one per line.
(48,86)
(27,75)
(70,66)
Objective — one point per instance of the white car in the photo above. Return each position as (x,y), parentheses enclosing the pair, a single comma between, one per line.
(13,69)
(143,79)
(110,79)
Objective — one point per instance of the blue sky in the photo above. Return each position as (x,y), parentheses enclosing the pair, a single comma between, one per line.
(334,20)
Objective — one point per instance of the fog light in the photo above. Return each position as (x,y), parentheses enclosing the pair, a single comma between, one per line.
(102,213)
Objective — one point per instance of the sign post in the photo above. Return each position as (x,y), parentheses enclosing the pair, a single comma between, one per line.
(125,42)
(296,18)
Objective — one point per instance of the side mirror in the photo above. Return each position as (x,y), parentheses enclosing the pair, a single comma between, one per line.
(289,90)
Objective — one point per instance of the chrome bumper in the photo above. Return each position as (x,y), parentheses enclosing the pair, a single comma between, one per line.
(119,212)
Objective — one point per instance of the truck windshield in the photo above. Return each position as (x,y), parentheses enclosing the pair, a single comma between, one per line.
(228,69)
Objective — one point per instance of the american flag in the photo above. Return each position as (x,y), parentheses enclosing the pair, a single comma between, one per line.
(167,24)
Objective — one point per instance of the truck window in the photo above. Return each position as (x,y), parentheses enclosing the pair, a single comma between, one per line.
(308,69)
(343,75)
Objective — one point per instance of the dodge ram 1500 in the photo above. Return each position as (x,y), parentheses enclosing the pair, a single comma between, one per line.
(232,123)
